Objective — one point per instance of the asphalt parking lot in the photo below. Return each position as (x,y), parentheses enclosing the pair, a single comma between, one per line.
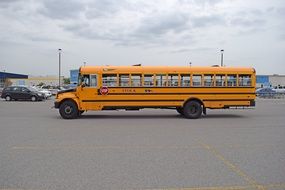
(148,149)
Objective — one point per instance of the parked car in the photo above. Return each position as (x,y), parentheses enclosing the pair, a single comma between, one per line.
(53,89)
(45,91)
(279,89)
(266,92)
(21,93)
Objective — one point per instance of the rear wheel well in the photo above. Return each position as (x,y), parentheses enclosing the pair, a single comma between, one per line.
(194,99)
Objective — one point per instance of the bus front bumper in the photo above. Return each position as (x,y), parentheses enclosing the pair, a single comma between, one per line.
(56,105)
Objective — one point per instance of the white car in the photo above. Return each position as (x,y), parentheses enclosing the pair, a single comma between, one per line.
(46,92)
(279,89)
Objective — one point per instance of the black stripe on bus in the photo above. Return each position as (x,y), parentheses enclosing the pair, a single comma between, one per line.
(230,87)
(133,100)
(217,100)
(178,93)
(175,100)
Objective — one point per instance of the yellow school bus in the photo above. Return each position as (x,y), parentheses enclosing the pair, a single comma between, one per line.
(189,90)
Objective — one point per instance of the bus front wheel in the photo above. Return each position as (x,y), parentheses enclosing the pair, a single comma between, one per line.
(68,110)
(192,110)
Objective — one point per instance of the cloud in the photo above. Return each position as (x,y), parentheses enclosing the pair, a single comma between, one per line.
(163,23)
(201,2)
(6,3)
(137,23)
(187,50)
(206,21)
(282,37)
(63,9)
(247,23)
(99,8)
(140,23)
(281,11)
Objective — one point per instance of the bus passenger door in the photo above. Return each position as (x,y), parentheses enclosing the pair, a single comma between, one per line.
(88,92)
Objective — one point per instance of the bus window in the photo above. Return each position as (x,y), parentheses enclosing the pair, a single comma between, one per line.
(109,80)
(208,80)
(124,79)
(93,80)
(197,80)
(185,80)
(136,80)
(85,80)
(148,80)
(244,80)
(161,80)
(220,80)
(172,80)
(232,80)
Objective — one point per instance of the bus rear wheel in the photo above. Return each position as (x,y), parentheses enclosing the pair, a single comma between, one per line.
(68,110)
(192,110)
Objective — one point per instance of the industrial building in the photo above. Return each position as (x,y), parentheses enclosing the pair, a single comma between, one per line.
(34,81)
(270,81)
(6,78)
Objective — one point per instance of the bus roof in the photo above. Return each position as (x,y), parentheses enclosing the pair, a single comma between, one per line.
(163,69)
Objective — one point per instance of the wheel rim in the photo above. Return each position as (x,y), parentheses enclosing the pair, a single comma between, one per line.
(193,109)
(33,98)
(68,110)
(8,98)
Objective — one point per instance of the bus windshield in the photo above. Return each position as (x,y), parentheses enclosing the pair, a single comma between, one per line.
(79,79)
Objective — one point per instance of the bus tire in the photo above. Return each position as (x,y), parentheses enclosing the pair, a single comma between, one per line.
(180,110)
(192,109)
(68,110)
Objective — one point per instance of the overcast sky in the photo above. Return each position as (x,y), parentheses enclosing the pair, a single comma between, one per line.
(126,32)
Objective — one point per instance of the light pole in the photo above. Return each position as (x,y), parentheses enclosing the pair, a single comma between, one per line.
(59,66)
(222,57)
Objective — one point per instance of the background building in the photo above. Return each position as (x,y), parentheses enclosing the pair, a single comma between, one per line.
(39,80)
(270,80)
(6,77)
(277,80)
(74,76)
(262,81)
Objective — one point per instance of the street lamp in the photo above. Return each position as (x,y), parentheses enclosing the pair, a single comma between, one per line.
(59,64)
(222,57)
